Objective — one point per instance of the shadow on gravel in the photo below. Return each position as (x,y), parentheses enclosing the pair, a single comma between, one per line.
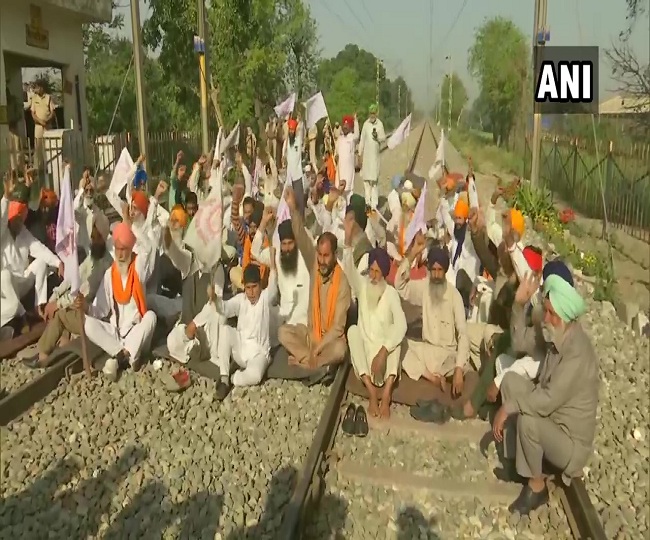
(412,524)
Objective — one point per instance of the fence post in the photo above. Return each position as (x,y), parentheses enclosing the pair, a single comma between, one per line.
(609,172)
(574,173)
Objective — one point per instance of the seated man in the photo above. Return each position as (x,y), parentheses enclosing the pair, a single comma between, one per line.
(375,341)
(555,417)
(249,344)
(321,343)
(18,275)
(59,312)
(121,299)
(444,348)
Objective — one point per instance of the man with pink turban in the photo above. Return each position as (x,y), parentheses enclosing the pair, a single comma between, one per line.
(376,339)
(346,153)
(118,320)
(18,274)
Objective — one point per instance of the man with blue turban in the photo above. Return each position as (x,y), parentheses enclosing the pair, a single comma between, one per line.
(376,339)
(555,417)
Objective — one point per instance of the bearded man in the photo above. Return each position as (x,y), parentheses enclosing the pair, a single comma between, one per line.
(118,321)
(375,341)
(372,137)
(444,348)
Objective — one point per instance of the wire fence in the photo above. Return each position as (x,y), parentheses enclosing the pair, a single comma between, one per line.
(570,169)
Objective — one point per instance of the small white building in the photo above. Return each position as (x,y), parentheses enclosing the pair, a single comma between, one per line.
(41,34)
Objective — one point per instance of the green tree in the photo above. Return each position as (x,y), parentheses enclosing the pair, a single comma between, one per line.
(500,60)
(458,101)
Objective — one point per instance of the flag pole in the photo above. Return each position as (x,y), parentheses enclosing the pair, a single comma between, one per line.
(84,345)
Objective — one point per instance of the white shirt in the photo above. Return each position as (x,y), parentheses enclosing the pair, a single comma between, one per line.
(369,149)
(253,321)
(292,153)
(345,149)
(294,289)
(17,251)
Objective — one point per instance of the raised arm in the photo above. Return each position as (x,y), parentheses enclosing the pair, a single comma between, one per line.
(351,271)
(304,243)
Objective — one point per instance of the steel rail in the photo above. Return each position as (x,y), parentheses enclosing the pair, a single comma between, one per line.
(311,480)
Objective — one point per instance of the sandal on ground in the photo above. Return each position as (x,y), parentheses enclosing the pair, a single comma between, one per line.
(347,425)
(360,422)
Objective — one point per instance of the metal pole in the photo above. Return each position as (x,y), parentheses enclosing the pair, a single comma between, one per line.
(203,79)
(451,80)
(399,100)
(378,82)
(540,26)
(139,79)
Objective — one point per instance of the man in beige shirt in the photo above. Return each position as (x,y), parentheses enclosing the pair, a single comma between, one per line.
(42,109)
(322,342)
(312,134)
(251,145)
(272,138)
(443,350)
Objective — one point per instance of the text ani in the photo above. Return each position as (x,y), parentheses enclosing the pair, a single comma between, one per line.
(568,82)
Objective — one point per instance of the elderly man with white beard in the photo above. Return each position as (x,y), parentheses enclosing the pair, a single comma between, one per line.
(84,208)
(375,341)
(444,348)
(118,321)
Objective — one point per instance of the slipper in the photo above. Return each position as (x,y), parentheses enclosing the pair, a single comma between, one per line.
(348,420)
(360,422)
(433,412)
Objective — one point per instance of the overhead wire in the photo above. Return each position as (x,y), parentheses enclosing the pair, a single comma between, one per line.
(356,17)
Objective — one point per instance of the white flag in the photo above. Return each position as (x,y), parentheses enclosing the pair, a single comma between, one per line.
(204,233)
(417,223)
(285,108)
(122,171)
(437,169)
(472,193)
(282,214)
(231,140)
(66,239)
(315,109)
(400,134)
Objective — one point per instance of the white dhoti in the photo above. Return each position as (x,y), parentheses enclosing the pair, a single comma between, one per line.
(371,192)
(106,336)
(527,367)
(248,355)
(204,344)
(422,356)
(362,353)
(15,286)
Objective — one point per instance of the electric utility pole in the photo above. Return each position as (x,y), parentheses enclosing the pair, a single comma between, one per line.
(540,36)
(139,80)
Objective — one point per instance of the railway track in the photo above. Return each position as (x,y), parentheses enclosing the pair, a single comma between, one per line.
(399,483)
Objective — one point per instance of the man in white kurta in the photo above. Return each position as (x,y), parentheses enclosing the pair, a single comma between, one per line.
(118,321)
(292,160)
(84,208)
(372,137)
(18,275)
(346,152)
(376,339)
(249,345)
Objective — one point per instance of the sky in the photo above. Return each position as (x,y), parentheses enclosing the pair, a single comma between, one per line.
(400,34)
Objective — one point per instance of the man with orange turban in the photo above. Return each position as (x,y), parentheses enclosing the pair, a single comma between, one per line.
(119,321)
(346,153)
(18,274)
(292,160)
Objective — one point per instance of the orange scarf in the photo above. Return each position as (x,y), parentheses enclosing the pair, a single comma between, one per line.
(133,288)
(330,169)
(402,236)
(247,256)
(332,294)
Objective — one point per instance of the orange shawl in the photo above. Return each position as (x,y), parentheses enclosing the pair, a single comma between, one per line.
(330,169)
(133,288)
(317,329)
(247,256)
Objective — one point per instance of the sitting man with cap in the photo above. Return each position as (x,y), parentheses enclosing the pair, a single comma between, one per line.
(320,343)
(59,313)
(249,345)
(444,348)
(376,339)
(556,415)
(118,320)
(19,275)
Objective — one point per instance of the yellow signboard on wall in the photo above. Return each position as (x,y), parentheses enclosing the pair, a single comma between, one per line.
(35,35)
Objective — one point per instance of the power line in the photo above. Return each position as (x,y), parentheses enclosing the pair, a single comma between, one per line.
(365,8)
(453,25)
(355,15)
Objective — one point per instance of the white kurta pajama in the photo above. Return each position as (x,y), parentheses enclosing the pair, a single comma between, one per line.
(17,274)
(126,328)
(381,326)
(369,148)
(346,150)
(249,344)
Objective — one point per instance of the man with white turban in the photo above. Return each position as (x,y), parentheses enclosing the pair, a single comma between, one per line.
(370,142)
(118,321)
(59,311)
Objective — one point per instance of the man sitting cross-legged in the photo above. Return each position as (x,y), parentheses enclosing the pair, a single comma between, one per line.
(375,341)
